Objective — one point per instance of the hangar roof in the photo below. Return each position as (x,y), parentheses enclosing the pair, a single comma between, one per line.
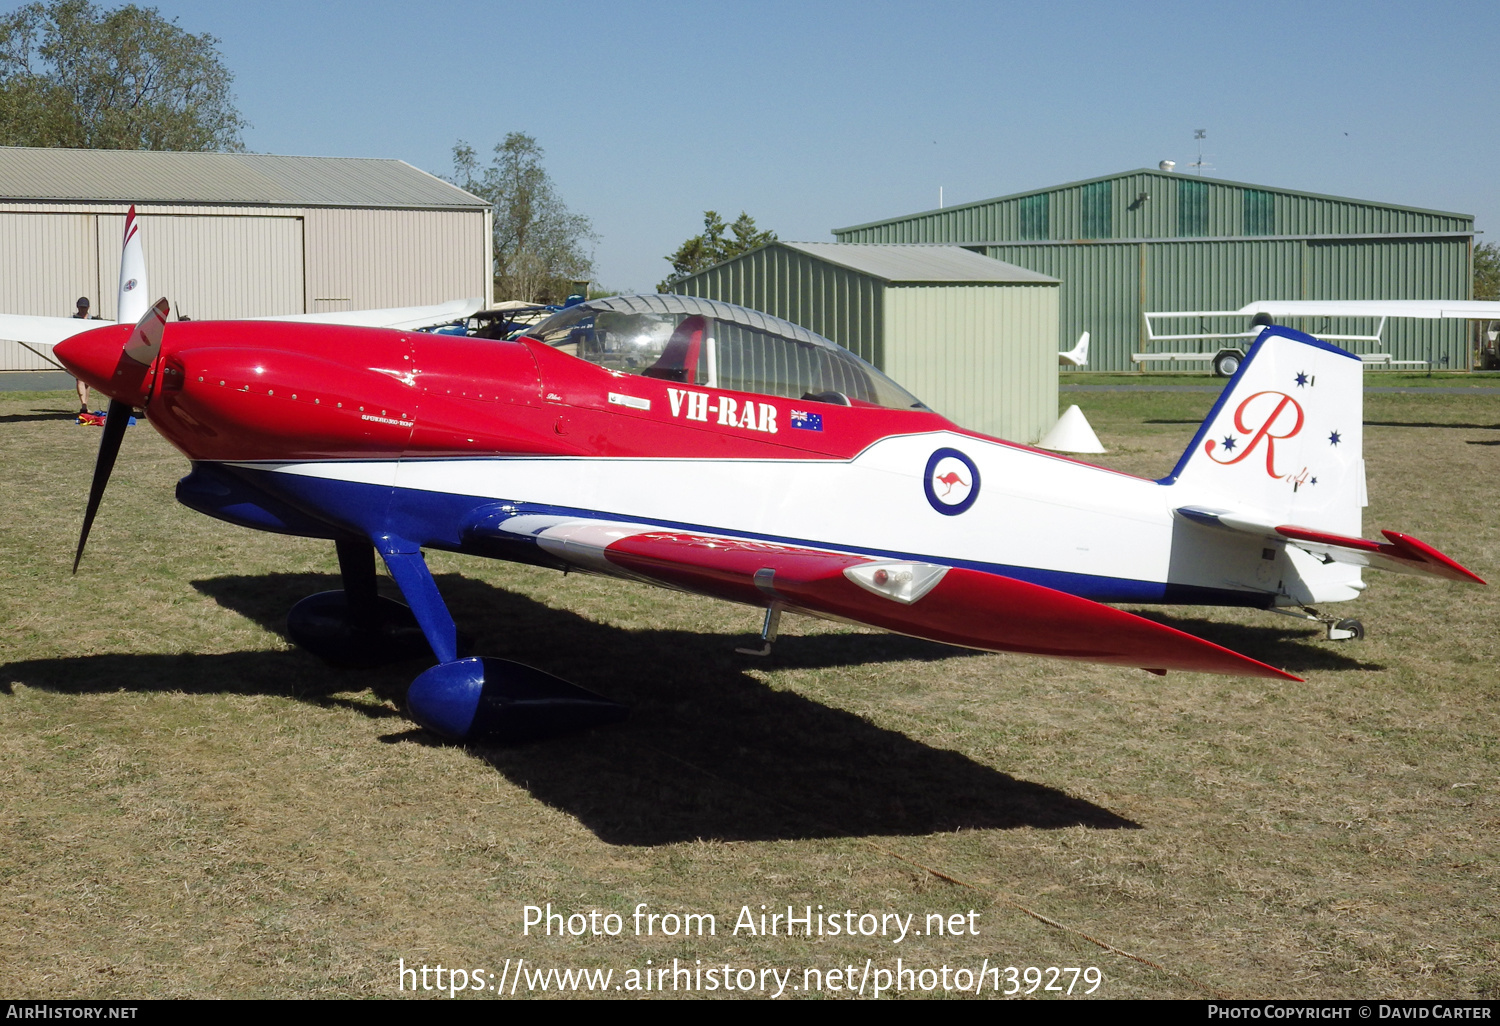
(916,262)
(1295,212)
(155,176)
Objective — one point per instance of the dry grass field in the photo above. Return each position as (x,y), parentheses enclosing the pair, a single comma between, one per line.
(190,807)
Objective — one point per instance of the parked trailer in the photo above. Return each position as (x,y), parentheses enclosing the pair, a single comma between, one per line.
(1225,357)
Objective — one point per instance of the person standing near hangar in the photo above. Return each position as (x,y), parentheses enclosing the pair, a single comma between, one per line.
(82,313)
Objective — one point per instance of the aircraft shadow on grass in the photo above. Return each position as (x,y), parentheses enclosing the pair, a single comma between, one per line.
(1376,423)
(1293,647)
(1431,424)
(709,751)
(19,418)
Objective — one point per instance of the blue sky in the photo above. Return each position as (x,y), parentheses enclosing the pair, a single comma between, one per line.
(818,115)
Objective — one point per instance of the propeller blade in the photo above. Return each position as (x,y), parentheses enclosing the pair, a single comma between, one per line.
(115,423)
(145,341)
(142,347)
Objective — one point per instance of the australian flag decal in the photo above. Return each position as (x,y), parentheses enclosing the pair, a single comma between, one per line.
(807,421)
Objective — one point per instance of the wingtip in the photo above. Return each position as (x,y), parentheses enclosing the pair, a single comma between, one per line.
(1442,565)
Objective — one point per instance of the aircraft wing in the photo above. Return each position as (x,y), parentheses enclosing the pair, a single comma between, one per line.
(1427,309)
(1400,553)
(953,605)
(40,334)
(403,317)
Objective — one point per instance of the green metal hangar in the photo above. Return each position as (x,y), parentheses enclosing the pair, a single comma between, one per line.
(972,337)
(235,234)
(1146,241)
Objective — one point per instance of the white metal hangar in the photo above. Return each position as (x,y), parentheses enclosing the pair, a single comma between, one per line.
(232,235)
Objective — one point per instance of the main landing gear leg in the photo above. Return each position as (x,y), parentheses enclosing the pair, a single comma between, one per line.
(468,699)
(356,626)
(1338,630)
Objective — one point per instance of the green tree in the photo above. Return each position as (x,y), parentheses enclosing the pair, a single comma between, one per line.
(540,246)
(128,79)
(713,247)
(1487,270)
(1486,286)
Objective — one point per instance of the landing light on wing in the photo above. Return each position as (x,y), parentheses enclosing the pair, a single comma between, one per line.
(899,582)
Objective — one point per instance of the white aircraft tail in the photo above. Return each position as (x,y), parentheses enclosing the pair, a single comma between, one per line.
(1284,443)
(1078,356)
(133,301)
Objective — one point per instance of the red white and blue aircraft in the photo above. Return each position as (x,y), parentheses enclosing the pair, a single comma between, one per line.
(709,448)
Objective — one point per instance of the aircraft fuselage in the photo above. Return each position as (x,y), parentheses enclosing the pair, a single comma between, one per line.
(372,431)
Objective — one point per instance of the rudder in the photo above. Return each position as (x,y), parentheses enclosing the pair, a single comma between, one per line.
(1285,441)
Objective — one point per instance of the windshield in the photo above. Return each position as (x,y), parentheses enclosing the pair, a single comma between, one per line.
(717,345)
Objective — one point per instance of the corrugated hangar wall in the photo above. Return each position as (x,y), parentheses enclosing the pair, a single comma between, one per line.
(1157,241)
(47,260)
(363,259)
(217,262)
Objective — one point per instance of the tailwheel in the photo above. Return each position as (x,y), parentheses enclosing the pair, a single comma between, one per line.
(1338,630)
(1346,630)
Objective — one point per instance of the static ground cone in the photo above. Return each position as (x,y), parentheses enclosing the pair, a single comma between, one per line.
(1071,433)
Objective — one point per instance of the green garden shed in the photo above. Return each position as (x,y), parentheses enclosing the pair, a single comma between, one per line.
(974,338)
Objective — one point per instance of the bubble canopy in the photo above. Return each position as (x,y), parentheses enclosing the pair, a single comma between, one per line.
(718,345)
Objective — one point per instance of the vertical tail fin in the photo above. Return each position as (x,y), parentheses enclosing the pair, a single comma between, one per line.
(1078,356)
(1285,440)
(133,304)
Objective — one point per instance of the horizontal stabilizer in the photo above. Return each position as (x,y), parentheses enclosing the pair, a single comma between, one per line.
(1400,553)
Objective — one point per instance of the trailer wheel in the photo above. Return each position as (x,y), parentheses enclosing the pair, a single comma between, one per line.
(1227,362)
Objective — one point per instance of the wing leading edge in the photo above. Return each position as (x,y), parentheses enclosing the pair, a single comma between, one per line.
(40,334)
(953,605)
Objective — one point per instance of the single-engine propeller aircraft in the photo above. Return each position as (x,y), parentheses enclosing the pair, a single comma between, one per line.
(709,448)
